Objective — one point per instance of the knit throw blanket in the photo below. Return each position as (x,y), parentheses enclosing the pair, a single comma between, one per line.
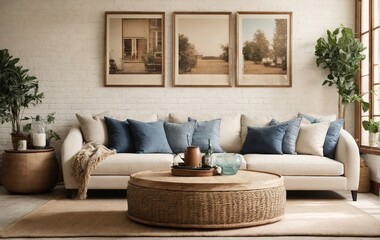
(85,162)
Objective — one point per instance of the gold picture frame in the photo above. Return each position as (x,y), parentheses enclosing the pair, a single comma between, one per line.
(264,49)
(202,55)
(134,49)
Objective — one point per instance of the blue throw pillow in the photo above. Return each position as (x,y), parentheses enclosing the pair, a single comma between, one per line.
(207,130)
(119,136)
(149,137)
(267,140)
(291,134)
(179,135)
(310,118)
(332,137)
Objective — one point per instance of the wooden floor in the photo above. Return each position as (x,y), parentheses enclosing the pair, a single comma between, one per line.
(13,207)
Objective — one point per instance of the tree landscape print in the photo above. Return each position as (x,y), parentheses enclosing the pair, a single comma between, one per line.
(264,44)
(202,47)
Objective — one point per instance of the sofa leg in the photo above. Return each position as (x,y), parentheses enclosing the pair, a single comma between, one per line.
(71,193)
(354,195)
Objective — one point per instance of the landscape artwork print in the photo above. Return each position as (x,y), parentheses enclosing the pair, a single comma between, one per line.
(134,51)
(201,49)
(264,49)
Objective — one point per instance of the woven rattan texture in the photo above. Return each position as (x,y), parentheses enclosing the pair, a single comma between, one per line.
(191,209)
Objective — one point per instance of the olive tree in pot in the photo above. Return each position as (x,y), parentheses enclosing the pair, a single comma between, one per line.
(18,91)
(341,54)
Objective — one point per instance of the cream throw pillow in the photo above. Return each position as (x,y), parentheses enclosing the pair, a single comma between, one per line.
(93,128)
(311,138)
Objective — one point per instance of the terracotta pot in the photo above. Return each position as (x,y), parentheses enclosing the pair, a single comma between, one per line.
(16,137)
(193,157)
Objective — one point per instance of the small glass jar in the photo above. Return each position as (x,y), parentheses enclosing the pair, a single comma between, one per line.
(38,133)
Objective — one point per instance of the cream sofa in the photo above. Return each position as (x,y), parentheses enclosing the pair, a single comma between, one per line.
(300,172)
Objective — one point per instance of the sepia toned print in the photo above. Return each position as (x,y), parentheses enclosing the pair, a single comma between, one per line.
(202,49)
(134,46)
(264,49)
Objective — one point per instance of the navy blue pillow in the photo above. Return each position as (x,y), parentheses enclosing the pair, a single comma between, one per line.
(119,136)
(178,134)
(207,130)
(149,137)
(266,140)
(332,137)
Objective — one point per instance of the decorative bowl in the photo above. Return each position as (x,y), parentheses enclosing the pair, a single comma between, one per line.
(229,162)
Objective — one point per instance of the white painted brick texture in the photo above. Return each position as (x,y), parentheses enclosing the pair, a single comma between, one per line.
(62,43)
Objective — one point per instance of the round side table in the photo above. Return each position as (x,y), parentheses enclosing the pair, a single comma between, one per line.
(29,171)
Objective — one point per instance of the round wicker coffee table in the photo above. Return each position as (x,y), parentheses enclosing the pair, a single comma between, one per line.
(248,198)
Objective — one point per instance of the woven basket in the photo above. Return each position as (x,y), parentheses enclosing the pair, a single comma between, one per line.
(364,181)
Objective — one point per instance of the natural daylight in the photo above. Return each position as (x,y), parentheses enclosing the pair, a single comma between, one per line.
(203,45)
(265,46)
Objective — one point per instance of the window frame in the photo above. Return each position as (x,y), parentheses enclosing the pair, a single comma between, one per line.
(371,72)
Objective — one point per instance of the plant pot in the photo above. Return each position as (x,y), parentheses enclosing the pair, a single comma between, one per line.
(16,137)
(372,139)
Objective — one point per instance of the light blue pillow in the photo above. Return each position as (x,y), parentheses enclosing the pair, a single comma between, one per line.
(266,140)
(119,136)
(207,130)
(332,137)
(310,118)
(149,137)
(178,135)
(291,134)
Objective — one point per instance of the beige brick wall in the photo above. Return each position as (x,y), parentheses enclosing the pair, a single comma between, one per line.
(62,43)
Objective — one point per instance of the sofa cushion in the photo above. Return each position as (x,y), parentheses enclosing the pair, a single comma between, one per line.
(125,164)
(266,140)
(119,136)
(179,135)
(230,127)
(291,134)
(205,130)
(311,138)
(149,137)
(93,128)
(332,138)
(294,165)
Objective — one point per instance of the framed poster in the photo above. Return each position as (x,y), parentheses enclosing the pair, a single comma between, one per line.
(201,49)
(135,49)
(264,47)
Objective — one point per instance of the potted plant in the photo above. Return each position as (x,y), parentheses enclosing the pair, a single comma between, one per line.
(373,127)
(341,54)
(50,134)
(18,91)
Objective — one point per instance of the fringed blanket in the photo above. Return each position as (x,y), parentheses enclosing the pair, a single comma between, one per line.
(85,162)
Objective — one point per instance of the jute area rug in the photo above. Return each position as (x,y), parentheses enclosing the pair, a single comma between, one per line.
(107,218)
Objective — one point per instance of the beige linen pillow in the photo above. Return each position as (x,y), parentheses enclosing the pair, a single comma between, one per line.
(311,138)
(93,128)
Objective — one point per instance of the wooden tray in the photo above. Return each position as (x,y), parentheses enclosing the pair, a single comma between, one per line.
(188,172)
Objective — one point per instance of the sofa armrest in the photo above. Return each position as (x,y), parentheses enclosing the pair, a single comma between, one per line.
(347,152)
(70,146)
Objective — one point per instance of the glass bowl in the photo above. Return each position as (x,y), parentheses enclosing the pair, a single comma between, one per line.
(229,162)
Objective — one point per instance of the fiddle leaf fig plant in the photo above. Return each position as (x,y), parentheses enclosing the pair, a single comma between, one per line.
(341,53)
